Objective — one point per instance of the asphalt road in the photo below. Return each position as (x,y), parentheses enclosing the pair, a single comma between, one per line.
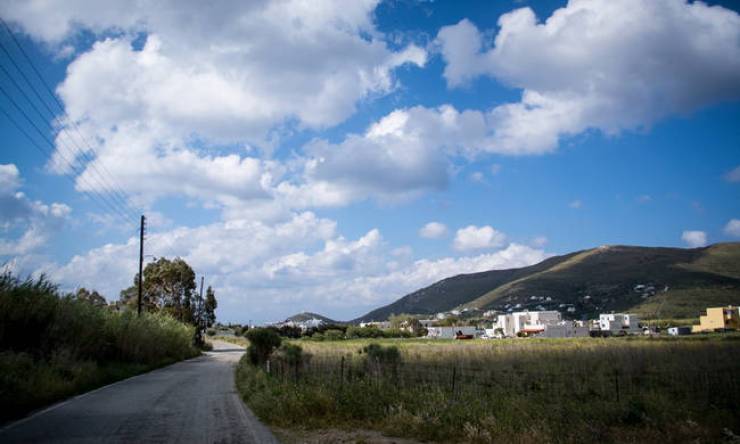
(194,401)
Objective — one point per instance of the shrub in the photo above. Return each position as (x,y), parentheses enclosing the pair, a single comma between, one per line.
(211,331)
(55,346)
(262,342)
(333,335)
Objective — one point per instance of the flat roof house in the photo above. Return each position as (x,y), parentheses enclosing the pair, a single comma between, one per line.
(718,319)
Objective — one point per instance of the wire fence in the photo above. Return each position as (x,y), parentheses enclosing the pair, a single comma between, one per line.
(715,386)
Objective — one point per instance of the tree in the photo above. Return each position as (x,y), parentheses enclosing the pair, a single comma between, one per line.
(210,307)
(262,342)
(91,297)
(169,286)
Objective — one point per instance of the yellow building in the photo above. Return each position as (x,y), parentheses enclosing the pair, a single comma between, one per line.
(718,318)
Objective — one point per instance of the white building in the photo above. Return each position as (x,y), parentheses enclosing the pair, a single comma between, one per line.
(620,323)
(528,322)
(383,325)
(449,332)
(566,329)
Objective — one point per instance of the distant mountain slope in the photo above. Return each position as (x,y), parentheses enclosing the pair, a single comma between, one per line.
(604,279)
(676,282)
(306,316)
(454,291)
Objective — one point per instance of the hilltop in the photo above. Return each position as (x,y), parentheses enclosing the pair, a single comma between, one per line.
(307,316)
(651,281)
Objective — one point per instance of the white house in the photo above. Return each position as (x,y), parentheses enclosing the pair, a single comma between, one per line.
(528,322)
(383,325)
(620,323)
(449,332)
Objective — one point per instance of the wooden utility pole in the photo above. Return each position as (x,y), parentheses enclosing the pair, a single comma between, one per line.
(141,259)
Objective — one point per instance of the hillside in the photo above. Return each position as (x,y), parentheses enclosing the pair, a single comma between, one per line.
(676,282)
(457,290)
(306,316)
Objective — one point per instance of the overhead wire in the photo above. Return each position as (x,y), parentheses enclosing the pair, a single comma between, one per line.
(49,154)
(116,198)
(70,122)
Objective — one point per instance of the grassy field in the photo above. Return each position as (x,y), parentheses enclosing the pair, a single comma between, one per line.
(515,390)
(53,347)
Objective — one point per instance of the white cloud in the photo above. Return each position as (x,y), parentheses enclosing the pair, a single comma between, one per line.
(233,75)
(476,238)
(300,264)
(433,230)
(733,175)
(733,227)
(36,220)
(597,64)
(694,238)
(495,169)
(575,204)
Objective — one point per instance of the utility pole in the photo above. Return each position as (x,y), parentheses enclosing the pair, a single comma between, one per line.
(141,259)
(201,303)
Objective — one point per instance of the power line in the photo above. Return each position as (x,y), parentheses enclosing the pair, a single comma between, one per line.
(35,108)
(103,198)
(109,185)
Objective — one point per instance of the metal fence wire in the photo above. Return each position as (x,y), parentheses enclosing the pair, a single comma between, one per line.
(702,386)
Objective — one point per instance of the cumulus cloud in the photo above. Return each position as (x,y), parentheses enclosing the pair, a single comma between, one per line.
(36,220)
(600,64)
(694,238)
(175,84)
(733,227)
(433,230)
(267,272)
(476,238)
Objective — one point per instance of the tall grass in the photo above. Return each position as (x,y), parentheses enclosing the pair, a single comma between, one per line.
(609,390)
(53,346)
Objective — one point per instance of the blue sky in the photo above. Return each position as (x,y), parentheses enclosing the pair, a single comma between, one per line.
(293,153)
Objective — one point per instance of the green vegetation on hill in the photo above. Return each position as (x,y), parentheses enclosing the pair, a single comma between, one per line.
(662,282)
(54,346)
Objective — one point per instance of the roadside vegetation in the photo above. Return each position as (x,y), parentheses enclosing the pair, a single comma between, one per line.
(514,390)
(53,346)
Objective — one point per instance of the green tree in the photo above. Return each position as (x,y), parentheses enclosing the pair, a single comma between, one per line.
(168,286)
(262,342)
(210,307)
(91,297)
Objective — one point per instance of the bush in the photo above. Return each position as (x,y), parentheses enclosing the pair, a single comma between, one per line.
(333,335)
(262,342)
(211,331)
(53,346)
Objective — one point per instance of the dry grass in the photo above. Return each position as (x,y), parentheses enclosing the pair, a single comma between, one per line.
(517,390)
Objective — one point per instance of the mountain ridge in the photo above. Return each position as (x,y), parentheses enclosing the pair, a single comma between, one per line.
(681,282)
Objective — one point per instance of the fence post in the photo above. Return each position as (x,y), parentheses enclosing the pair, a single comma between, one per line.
(454,376)
(341,374)
(616,383)
(267,366)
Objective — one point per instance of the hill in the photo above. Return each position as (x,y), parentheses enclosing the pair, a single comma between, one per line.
(664,282)
(307,316)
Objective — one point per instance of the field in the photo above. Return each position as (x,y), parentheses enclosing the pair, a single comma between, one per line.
(515,390)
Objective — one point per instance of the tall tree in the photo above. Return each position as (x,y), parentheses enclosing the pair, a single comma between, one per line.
(210,307)
(91,297)
(168,285)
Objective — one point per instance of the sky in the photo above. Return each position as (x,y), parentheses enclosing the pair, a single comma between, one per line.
(333,156)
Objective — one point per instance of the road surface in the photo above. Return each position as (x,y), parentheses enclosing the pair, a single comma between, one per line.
(194,401)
